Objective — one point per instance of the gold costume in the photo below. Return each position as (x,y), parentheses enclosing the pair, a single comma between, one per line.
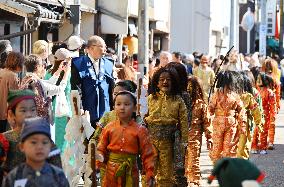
(166,113)
(253,115)
(200,122)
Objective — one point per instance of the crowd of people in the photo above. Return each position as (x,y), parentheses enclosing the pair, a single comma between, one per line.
(232,99)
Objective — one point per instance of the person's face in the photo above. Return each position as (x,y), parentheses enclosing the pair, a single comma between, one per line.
(97,50)
(40,70)
(204,61)
(124,107)
(117,89)
(128,62)
(36,148)
(24,109)
(165,82)
(164,60)
(259,81)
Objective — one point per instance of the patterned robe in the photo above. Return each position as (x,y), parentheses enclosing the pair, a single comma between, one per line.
(229,114)
(269,107)
(166,114)
(200,122)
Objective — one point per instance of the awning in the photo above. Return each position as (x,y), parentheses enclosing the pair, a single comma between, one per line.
(29,9)
(84,7)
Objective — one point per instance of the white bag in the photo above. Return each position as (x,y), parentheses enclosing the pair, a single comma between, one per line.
(61,106)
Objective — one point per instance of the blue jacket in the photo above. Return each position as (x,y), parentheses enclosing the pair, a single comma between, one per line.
(95,89)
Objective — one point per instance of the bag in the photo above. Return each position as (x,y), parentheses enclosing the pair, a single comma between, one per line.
(61,106)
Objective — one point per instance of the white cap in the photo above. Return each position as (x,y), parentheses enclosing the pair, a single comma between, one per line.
(189,57)
(62,54)
(75,42)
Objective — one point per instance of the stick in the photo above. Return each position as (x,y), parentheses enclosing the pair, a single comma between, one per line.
(140,82)
(217,72)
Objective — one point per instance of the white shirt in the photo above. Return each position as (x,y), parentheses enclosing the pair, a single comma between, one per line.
(49,86)
(95,64)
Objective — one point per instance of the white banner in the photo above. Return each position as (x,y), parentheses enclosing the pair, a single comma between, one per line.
(271,17)
(262,39)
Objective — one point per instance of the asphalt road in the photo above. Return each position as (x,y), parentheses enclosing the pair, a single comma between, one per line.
(271,164)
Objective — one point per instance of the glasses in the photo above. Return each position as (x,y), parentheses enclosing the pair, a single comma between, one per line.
(100,46)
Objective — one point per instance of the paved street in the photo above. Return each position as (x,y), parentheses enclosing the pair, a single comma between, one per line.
(272,163)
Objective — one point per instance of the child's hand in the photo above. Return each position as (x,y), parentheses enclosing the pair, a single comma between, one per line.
(151,182)
(209,144)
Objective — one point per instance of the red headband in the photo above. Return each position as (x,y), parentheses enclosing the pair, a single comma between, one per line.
(19,99)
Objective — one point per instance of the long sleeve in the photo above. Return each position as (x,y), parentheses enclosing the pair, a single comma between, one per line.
(52,80)
(278,96)
(14,84)
(213,104)
(206,122)
(103,143)
(183,119)
(52,89)
(255,111)
(148,153)
(75,78)
(272,105)
(241,116)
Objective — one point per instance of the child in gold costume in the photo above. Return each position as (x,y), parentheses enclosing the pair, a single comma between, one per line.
(200,122)
(167,113)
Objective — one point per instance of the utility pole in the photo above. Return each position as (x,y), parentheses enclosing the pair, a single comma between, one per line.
(76,11)
(281,50)
(232,24)
(143,35)
(262,29)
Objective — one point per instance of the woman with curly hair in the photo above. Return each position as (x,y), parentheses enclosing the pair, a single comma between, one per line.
(200,122)
(167,113)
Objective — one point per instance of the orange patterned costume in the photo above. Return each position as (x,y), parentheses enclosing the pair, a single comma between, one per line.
(120,146)
(268,104)
(271,130)
(200,122)
(229,113)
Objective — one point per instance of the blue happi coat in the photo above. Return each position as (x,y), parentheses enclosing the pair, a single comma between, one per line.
(95,88)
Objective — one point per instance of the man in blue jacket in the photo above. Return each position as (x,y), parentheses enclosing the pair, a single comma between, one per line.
(91,74)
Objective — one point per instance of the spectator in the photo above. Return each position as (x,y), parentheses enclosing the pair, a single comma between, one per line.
(21,105)
(9,81)
(92,75)
(128,69)
(205,74)
(74,45)
(36,145)
(60,120)
(40,48)
(177,58)
(5,49)
(44,89)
